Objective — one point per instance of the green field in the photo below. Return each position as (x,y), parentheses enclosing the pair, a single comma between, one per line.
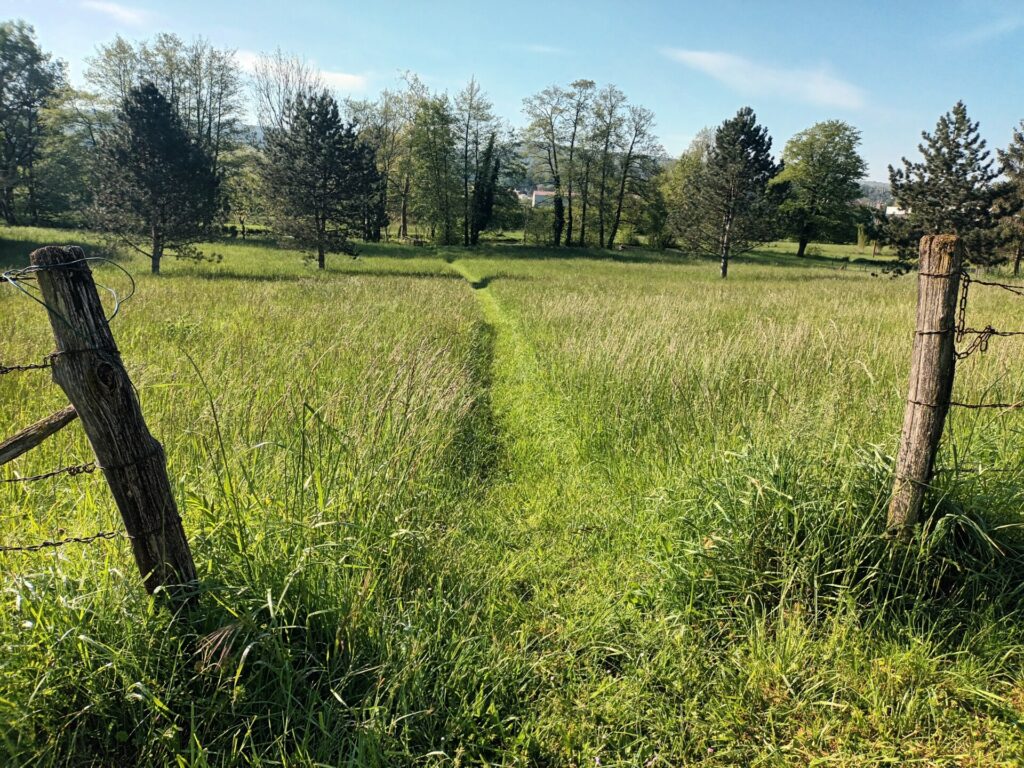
(519,507)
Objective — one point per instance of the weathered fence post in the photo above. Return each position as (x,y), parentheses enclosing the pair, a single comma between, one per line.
(931,376)
(87,366)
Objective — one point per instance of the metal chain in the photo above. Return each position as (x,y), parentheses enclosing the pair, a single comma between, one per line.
(55,543)
(70,471)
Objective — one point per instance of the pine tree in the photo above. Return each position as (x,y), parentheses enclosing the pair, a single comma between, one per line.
(950,191)
(157,185)
(1010,201)
(317,177)
(729,207)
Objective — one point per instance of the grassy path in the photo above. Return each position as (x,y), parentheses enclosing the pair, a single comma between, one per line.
(567,554)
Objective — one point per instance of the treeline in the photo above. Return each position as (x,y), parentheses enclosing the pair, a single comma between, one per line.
(156,153)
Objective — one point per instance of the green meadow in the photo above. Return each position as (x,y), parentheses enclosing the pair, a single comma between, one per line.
(514,506)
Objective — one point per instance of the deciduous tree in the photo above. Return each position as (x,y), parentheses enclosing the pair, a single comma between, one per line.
(435,164)
(29,79)
(822,174)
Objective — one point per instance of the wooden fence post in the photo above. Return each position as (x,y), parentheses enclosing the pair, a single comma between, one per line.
(87,366)
(932,369)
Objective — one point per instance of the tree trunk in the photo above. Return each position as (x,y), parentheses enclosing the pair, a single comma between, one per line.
(8,206)
(157,252)
(726,246)
(33,204)
(1017,257)
(584,192)
(403,227)
(801,247)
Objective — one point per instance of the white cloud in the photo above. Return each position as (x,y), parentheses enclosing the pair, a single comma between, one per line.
(813,86)
(544,50)
(342,81)
(989,31)
(123,14)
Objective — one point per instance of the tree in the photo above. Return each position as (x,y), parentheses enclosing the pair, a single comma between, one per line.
(637,152)
(607,128)
(384,128)
(243,187)
(681,179)
(475,121)
(202,83)
(435,167)
(822,174)
(317,176)
(580,96)
(278,80)
(157,185)
(72,127)
(1010,201)
(546,137)
(484,190)
(29,79)
(729,208)
(950,191)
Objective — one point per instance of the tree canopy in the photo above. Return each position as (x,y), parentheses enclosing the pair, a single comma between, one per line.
(317,176)
(158,187)
(950,190)
(822,174)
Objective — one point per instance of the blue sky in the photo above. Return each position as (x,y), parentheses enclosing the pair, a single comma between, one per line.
(889,68)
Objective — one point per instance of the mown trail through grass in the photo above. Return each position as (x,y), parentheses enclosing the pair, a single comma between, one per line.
(569,555)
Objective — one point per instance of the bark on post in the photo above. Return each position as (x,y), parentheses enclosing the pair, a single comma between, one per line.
(87,366)
(931,376)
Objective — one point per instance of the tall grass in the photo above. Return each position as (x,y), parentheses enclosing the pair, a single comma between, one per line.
(519,509)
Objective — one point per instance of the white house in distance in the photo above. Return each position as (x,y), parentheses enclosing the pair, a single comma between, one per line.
(542,198)
(895,210)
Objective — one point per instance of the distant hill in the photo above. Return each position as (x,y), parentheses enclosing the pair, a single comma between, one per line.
(875,193)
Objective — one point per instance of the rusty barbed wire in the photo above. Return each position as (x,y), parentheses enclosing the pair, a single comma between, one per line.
(71,470)
(56,543)
(47,363)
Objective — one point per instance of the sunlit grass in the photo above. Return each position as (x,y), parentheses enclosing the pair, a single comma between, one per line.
(512,507)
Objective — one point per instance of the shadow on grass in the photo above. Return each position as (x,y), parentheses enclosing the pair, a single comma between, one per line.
(16,246)
(258,277)
(775,259)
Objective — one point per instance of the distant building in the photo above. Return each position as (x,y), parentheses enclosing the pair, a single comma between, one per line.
(895,210)
(542,198)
